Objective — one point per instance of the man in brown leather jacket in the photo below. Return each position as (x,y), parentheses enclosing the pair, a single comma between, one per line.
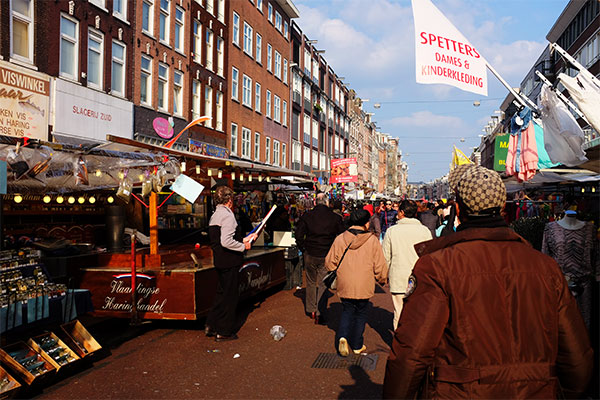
(486,315)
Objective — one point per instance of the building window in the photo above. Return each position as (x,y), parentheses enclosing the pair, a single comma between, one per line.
(267,150)
(258,48)
(276,108)
(178,93)
(285,29)
(306,92)
(208,111)
(284,109)
(315,70)
(315,159)
(197,42)
(306,128)
(95,67)
(315,133)
(163,83)
(234,139)
(220,56)
(234,83)
(118,68)
(269,57)
(219,126)
(277,64)
(99,3)
(120,8)
(276,152)
(69,44)
(283,155)
(210,6)
(164,21)
(209,49)
(179,18)
(278,21)
(247,91)
(296,152)
(196,88)
(270,13)
(248,33)
(256,146)
(307,62)
(221,10)
(147,16)
(306,156)
(285,71)
(146,81)
(259,4)
(236,29)
(22,30)
(268,104)
(246,133)
(257,98)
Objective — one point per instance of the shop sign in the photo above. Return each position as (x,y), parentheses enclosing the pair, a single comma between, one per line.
(207,149)
(24,102)
(253,277)
(91,114)
(501,152)
(344,170)
(163,128)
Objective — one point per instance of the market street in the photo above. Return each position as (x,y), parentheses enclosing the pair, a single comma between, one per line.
(175,360)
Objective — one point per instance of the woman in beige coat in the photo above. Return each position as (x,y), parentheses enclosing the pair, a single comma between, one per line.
(362,264)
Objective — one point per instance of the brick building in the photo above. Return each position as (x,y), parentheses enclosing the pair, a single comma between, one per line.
(259,98)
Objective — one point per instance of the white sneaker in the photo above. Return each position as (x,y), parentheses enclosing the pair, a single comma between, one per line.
(362,349)
(343,347)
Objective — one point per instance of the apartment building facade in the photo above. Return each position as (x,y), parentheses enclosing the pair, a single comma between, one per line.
(361,138)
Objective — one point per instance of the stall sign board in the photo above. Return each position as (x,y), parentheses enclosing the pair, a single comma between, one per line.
(501,152)
(24,102)
(344,170)
(207,149)
(91,114)
(187,188)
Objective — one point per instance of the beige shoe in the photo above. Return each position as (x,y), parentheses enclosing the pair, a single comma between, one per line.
(362,349)
(343,347)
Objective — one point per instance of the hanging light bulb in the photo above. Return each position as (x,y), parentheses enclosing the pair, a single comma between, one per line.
(594,189)
(18,198)
(582,190)
(260,178)
(249,178)
(110,199)
(92,200)
(220,174)
(81,200)
(71,200)
(98,173)
(60,199)
(47,199)
(209,172)
(241,177)
(268,179)
(198,170)
(233,176)
(183,165)
(121,175)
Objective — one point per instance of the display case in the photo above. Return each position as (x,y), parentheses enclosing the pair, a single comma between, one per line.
(79,339)
(9,386)
(54,350)
(177,213)
(27,363)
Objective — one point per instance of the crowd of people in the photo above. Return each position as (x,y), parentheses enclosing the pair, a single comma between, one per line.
(477,311)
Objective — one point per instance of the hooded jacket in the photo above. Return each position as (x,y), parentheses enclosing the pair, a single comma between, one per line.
(362,265)
(317,229)
(488,317)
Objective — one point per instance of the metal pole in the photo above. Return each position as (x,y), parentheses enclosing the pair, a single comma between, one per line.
(520,98)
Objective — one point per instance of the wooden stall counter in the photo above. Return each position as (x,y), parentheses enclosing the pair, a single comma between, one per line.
(174,284)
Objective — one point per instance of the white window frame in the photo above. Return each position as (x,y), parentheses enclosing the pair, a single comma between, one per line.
(286,29)
(258,56)
(148,73)
(259,4)
(208,105)
(269,57)
(270,12)
(306,158)
(197,41)
(165,82)
(121,14)
(179,27)
(210,37)
(119,91)
(219,116)
(256,146)
(257,95)
(167,13)
(277,64)
(234,139)
(92,33)
(196,96)
(99,3)
(315,159)
(210,6)
(235,34)
(296,152)
(278,22)
(178,79)
(235,84)
(268,104)
(75,42)
(285,71)
(276,153)
(221,10)
(276,108)
(246,142)
(248,36)
(220,55)
(246,90)
(267,150)
(283,155)
(284,111)
(150,29)
(25,19)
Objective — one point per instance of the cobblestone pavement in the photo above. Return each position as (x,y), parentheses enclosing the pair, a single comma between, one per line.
(173,359)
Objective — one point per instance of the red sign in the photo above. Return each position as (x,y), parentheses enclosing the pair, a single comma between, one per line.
(344,170)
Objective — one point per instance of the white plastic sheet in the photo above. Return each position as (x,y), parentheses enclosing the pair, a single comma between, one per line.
(585,91)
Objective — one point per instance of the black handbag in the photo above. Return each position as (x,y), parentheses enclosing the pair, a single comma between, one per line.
(330,278)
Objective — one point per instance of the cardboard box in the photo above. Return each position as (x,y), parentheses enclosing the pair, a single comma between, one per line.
(9,386)
(19,351)
(79,339)
(68,355)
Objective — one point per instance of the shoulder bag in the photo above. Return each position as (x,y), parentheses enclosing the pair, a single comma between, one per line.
(330,278)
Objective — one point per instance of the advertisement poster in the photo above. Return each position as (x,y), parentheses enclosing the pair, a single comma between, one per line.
(207,149)
(344,170)
(500,152)
(24,102)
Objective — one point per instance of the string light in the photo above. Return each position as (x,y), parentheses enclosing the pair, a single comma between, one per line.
(18,198)
(198,171)
(183,165)
(47,199)
(71,200)
(260,178)
(268,179)
(110,199)
(121,175)
(249,178)
(233,176)
(81,200)
(60,199)
(98,173)
(220,174)
(594,189)
(92,200)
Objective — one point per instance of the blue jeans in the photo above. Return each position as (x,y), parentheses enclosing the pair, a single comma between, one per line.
(353,321)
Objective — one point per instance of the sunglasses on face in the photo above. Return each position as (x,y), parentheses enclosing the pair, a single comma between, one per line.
(388,204)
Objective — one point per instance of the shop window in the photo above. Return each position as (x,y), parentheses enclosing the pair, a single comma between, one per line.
(69,44)
(21,30)
(118,69)
(95,67)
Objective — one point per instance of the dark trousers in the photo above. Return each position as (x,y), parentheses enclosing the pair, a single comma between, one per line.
(315,289)
(221,317)
(353,321)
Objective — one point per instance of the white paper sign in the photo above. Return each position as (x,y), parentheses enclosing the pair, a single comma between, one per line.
(187,188)
(443,54)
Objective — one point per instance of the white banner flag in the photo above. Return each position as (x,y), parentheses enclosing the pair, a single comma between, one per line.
(442,53)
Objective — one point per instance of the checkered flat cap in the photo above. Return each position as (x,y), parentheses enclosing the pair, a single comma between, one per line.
(456,173)
(480,189)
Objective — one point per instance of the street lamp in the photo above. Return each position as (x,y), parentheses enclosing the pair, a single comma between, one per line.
(476,103)
(377,105)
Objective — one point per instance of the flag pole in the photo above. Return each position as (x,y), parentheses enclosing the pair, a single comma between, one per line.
(524,100)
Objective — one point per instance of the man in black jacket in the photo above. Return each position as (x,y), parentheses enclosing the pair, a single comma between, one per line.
(315,233)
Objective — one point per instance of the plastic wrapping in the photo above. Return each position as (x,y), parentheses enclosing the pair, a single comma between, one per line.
(124,191)
(81,172)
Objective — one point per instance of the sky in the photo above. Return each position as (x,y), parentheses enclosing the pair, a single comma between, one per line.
(371,44)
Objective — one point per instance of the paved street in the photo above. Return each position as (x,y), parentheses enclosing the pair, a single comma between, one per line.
(176,360)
